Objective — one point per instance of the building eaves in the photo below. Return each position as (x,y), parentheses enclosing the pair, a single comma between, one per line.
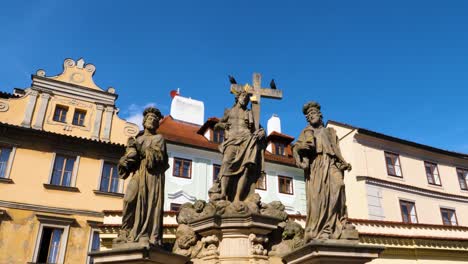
(49,133)
(401,141)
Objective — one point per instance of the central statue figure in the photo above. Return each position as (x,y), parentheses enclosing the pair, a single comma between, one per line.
(242,150)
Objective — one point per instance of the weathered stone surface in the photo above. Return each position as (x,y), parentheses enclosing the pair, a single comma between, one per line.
(138,255)
(145,160)
(333,251)
(317,151)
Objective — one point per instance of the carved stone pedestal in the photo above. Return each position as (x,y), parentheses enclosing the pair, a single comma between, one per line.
(332,252)
(137,255)
(236,239)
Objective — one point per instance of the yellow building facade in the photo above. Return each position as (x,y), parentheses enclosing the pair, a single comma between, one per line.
(60,141)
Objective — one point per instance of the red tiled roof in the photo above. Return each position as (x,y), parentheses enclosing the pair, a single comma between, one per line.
(184,133)
(178,132)
(280,136)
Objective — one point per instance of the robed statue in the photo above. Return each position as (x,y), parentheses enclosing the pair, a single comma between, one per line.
(317,151)
(145,161)
(242,150)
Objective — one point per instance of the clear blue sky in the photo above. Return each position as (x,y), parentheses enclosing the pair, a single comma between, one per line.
(396,67)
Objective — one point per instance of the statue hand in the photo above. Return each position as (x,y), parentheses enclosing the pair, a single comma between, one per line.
(349,167)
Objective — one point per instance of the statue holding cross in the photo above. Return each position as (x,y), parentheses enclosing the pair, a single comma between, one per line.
(244,142)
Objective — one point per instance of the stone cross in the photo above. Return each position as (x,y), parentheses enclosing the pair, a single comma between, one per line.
(256,93)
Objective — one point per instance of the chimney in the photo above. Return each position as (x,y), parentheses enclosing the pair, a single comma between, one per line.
(188,110)
(274,124)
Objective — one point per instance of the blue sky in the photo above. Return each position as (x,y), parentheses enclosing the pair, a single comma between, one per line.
(395,67)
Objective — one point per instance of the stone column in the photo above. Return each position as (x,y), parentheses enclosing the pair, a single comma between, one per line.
(41,111)
(29,109)
(108,123)
(97,122)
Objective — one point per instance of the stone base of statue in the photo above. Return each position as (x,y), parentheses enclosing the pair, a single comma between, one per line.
(230,239)
(333,251)
(136,254)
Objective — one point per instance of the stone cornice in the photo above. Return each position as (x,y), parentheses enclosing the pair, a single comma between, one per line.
(48,85)
(412,189)
(49,209)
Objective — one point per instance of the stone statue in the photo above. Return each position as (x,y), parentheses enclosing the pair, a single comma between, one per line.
(317,151)
(146,160)
(242,149)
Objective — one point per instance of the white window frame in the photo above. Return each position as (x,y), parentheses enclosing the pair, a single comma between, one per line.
(75,167)
(54,222)
(121,181)
(10,160)
(90,242)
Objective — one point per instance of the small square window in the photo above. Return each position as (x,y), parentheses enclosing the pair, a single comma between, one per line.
(216,171)
(393,164)
(261,182)
(218,136)
(448,217)
(285,185)
(462,178)
(182,168)
(278,148)
(79,117)
(432,173)
(5,153)
(408,212)
(62,172)
(60,114)
(109,178)
(175,207)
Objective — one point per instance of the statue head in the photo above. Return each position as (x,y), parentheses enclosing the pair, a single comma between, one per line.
(243,98)
(312,113)
(151,118)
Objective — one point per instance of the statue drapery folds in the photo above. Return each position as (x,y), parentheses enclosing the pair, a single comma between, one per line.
(317,151)
(146,161)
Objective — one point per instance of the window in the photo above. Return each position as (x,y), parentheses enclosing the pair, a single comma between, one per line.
(175,207)
(218,136)
(393,164)
(182,168)
(62,172)
(109,178)
(60,114)
(408,212)
(278,148)
(79,117)
(95,244)
(448,217)
(4,161)
(432,173)
(216,171)
(462,178)
(51,239)
(285,185)
(261,182)
(49,248)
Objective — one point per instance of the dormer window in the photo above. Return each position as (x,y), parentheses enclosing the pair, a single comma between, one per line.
(218,136)
(79,117)
(60,114)
(278,148)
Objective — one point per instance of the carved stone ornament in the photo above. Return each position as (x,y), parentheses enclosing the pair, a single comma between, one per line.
(4,106)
